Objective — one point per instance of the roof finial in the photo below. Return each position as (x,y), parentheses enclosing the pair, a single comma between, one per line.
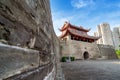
(65,21)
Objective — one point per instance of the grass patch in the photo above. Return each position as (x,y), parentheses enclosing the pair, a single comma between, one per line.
(118,53)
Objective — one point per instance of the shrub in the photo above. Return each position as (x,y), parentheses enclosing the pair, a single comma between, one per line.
(64,59)
(72,58)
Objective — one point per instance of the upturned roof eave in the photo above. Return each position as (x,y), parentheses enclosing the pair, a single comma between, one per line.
(67,25)
(89,37)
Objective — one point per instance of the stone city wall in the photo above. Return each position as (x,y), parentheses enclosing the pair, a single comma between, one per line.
(31,49)
(96,51)
(21,63)
(107,51)
(77,49)
(26,23)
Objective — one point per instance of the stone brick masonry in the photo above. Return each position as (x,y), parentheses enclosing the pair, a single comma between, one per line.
(26,30)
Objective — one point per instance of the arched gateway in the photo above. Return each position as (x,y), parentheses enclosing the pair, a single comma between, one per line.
(86,55)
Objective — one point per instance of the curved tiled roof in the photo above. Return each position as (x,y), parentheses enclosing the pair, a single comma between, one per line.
(67,25)
(79,35)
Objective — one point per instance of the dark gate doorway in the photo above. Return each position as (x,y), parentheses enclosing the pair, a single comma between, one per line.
(86,55)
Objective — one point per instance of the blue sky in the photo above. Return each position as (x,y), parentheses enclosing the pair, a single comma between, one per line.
(86,13)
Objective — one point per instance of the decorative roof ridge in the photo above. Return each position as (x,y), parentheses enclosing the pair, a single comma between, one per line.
(80,28)
(67,24)
(87,36)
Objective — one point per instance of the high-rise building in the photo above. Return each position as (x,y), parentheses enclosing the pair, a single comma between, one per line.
(108,37)
(116,37)
(105,31)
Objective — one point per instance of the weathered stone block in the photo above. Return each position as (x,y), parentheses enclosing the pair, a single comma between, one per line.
(27,24)
(14,60)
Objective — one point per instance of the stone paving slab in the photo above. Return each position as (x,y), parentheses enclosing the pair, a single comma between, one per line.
(92,70)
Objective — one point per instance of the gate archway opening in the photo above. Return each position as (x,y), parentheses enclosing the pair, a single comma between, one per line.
(86,55)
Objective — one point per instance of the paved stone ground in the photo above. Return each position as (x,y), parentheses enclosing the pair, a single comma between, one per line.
(92,70)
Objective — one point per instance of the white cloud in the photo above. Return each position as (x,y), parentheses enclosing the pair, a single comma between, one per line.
(59,18)
(58,21)
(81,3)
(84,19)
